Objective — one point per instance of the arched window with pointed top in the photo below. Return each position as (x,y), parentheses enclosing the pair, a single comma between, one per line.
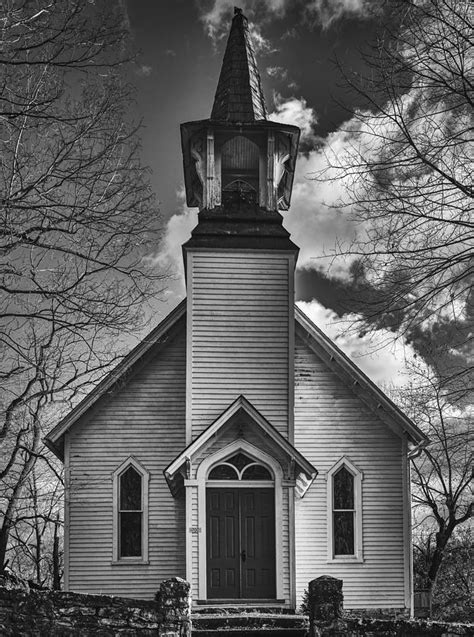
(344,499)
(130,485)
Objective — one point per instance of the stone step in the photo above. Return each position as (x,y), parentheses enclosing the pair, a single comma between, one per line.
(245,632)
(235,625)
(244,609)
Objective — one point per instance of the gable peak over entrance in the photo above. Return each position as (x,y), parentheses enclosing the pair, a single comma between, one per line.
(239,96)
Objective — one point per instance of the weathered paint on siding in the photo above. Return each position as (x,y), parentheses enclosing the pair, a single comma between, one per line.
(330,421)
(239,321)
(145,419)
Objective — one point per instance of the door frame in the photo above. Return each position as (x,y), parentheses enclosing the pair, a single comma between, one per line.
(201,479)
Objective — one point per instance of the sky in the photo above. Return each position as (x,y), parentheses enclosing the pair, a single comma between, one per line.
(298,45)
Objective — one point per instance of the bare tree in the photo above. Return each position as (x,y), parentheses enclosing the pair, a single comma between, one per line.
(35,553)
(408,166)
(77,218)
(442,474)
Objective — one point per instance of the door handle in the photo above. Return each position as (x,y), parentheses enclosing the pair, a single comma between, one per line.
(243,555)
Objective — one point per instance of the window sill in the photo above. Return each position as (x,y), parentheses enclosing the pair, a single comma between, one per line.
(130,562)
(345,559)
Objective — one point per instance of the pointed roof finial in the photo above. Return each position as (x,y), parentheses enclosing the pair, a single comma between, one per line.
(239,95)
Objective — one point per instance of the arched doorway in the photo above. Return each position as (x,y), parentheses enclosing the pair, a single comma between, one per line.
(240,523)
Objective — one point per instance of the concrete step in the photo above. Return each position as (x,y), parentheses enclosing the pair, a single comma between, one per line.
(249,623)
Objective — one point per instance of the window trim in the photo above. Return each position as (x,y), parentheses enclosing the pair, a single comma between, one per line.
(358,540)
(143,558)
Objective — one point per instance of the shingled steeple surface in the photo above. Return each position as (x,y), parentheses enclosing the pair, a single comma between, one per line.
(239,96)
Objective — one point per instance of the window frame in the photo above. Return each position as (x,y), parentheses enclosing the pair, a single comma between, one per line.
(358,476)
(144,474)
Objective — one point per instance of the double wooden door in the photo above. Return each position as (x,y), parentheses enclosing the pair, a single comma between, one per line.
(241,543)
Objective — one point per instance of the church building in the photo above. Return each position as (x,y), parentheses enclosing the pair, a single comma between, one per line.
(237,446)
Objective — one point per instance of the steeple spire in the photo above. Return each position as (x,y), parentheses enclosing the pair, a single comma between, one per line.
(239,96)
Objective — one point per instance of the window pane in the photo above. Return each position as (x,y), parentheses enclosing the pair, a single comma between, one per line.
(223,472)
(130,534)
(343,533)
(343,483)
(130,490)
(239,461)
(256,472)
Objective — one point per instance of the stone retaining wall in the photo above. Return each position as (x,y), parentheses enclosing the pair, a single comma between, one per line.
(59,614)
(367,627)
(327,618)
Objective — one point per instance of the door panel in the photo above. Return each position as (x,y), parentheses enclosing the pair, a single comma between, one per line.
(241,543)
(223,558)
(258,542)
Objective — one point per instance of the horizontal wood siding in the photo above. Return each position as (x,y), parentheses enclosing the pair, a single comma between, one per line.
(331,422)
(238,326)
(145,419)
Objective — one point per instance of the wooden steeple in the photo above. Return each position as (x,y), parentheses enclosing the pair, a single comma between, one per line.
(238,162)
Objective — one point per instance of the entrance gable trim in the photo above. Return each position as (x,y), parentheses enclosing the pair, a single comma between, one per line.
(241,403)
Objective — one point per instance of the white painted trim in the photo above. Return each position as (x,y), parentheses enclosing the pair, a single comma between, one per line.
(130,462)
(189,346)
(241,403)
(189,538)
(67,513)
(202,473)
(202,543)
(244,484)
(407,530)
(358,556)
(292,547)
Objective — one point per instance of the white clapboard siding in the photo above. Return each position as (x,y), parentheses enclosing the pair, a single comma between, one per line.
(330,421)
(144,419)
(239,313)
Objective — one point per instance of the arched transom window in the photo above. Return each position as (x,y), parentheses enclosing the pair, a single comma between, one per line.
(240,467)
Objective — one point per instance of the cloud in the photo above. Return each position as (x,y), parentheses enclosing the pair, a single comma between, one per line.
(313,222)
(381,357)
(327,12)
(169,257)
(217,16)
(261,44)
(143,70)
(277,72)
(294,110)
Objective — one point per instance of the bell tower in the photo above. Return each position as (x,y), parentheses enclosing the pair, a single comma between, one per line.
(240,261)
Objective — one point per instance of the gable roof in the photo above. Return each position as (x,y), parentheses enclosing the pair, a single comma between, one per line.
(372,396)
(159,335)
(239,95)
(241,404)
